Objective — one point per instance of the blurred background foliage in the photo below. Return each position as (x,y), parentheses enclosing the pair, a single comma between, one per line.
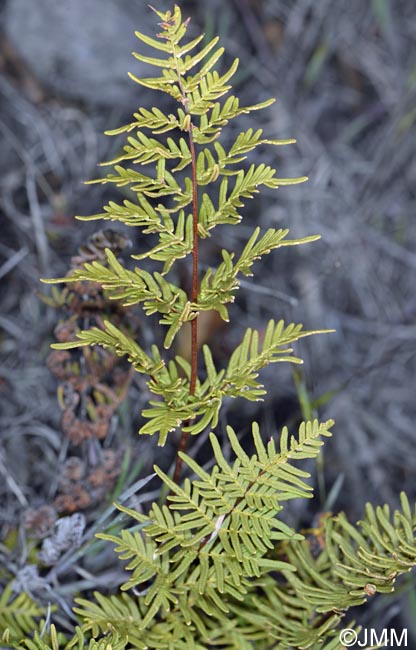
(344,74)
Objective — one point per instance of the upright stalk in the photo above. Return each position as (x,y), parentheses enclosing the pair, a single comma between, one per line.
(195,287)
(193,297)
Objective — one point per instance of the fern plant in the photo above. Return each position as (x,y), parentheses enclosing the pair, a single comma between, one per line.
(215,566)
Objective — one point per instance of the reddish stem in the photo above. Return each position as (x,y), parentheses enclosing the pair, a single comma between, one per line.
(193,298)
(194,293)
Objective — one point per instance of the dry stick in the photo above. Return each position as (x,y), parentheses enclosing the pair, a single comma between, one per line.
(194,299)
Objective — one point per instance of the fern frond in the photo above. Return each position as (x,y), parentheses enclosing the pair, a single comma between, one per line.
(245,186)
(122,613)
(133,287)
(141,214)
(245,142)
(213,534)
(143,150)
(18,614)
(218,287)
(120,343)
(181,627)
(217,531)
(211,123)
(50,639)
(250,356)
(357,562)
(270,611)
(153,119)
(202,409)
(175,239)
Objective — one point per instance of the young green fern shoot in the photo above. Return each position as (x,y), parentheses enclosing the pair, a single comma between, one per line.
(176,202)
(215,566)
